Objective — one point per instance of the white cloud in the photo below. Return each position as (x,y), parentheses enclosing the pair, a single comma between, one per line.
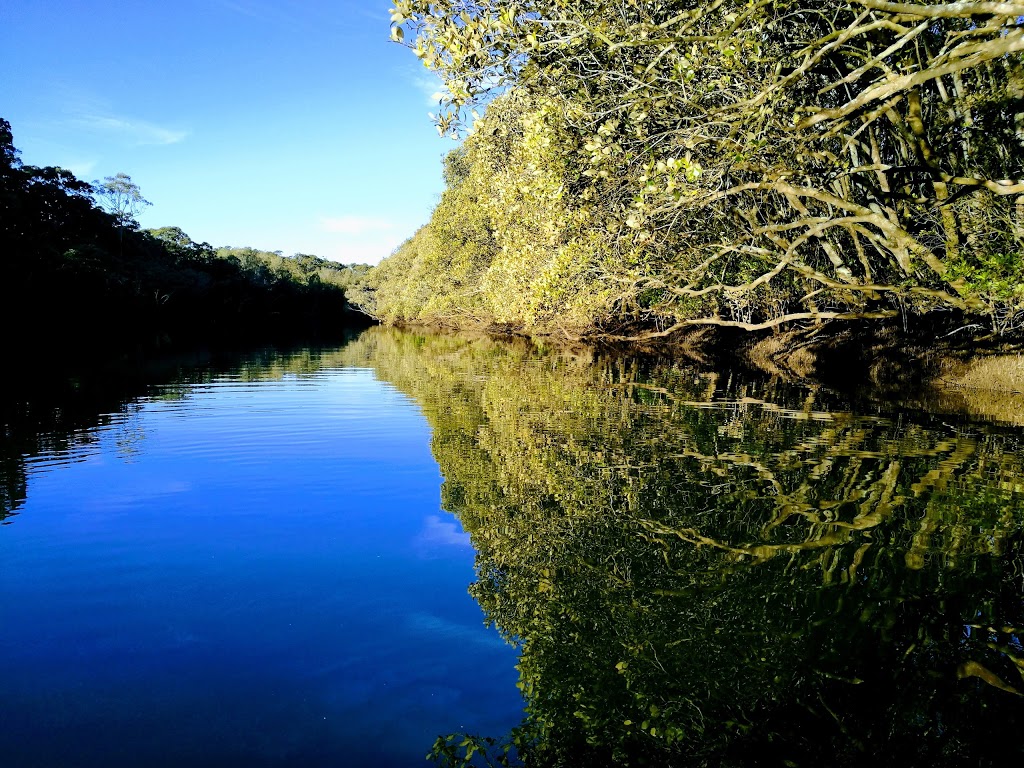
(361,239)
(81,169)
(245,10)
(267,13)
(422,623)
(298,14)
(431,86)
(376,15)
(138,132)
(444,533)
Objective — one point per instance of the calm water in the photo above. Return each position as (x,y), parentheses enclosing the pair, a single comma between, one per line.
(265,561)
(250,567)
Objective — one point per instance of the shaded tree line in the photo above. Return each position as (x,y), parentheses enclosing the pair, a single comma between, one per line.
(76,261)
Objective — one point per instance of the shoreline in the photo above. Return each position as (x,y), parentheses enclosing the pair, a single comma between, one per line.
(937,367)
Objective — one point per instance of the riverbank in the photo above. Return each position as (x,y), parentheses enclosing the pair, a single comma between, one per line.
(954,372)
(947,367)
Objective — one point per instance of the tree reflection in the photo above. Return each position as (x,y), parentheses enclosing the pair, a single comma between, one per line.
(719,570)
(53,408)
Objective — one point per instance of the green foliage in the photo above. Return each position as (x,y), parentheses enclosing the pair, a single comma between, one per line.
(741,163)
(91,271)
(301,268)
(470,751)
(507,244)
(997,279)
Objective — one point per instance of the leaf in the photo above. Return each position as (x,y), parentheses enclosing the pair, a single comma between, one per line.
(974,669)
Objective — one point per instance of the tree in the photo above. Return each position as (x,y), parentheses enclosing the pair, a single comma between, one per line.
(8,153)
(759,163)
(174,236)
(85,267)
(122,198)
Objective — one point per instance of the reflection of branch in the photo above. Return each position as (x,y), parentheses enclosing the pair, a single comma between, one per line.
(764,405)
(875,495)
(962,450)
(974,669)
(846,437)
(760,552)
(956,10)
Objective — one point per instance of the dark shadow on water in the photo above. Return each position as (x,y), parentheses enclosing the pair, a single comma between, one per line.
(55,395)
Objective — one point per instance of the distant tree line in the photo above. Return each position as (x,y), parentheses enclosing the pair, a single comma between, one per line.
(76,260)
(643,167)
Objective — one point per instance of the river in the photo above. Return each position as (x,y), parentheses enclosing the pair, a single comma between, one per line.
(331,557)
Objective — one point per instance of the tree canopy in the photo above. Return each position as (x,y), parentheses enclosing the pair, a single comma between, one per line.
(731,162)
(121,197)
(76,258)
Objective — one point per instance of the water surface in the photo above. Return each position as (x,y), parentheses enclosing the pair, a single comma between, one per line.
(266,563)
(239,567)
(714,567)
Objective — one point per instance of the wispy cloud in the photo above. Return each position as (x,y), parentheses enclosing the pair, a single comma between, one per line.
(297,14)
(244,9)
(116,499)
(137,132)
(263,12)
(82,169)
(422,623)
(377,15)
(431,87)
(363,252)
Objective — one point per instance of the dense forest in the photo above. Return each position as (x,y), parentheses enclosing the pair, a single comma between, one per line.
(76,260)
(643,167)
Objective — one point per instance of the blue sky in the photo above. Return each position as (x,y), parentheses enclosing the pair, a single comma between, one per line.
(290,125)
